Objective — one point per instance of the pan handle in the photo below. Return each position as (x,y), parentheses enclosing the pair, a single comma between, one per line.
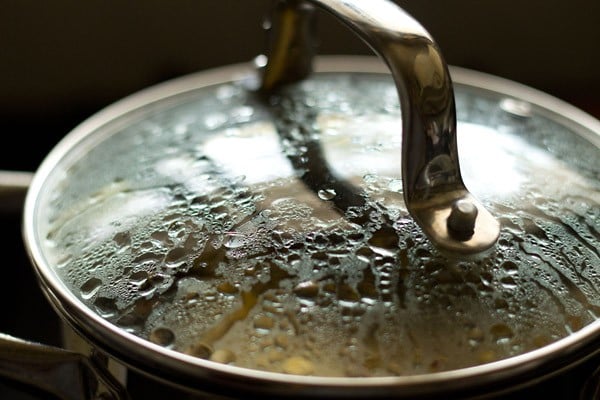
(13,189)
(65,374)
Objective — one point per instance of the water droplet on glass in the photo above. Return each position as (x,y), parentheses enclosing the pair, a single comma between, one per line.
(517,108)
(370,178)
(105,307)
(176,257)
(162,336)
(122,239)
(327,194)
(226,92)
(227,288)
(63,261)
(510,267)
(223,356)
(214,121)
(298,366)
(138,278)
(263,323)
(242,114)
(307,289)
(508,282)
(235,240)
(501,332)
(282,341)
(90,288)
(200,350)
(395,185)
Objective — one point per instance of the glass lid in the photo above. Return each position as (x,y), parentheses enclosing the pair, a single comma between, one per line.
(274,236)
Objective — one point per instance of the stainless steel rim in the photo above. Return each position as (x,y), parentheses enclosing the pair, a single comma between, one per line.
(197,374)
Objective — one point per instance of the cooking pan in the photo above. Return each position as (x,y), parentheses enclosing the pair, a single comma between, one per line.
(261,169)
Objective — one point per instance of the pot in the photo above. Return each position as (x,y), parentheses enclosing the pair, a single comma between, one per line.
(263,230)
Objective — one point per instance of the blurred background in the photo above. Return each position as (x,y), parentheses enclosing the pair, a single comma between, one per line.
(63,60)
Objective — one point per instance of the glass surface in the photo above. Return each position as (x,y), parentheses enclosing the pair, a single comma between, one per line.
(275,237)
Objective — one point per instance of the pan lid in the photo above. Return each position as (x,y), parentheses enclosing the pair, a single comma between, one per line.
(206,226)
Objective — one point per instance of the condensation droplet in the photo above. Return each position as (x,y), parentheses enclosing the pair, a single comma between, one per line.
(282,341)
(298,366)
(508,282)
(105,307)
(226,92)
(510,267)
(395,185)
(90,288)
(242,113)
(122,239)
(327,194)
(138,278)
(223,356)
(200,350)
(227,288)
(214,121)
(475,336)
(517,108)
(162,336)
(501,332)
(176,257)
(235,240)
(307,289)
(263,323)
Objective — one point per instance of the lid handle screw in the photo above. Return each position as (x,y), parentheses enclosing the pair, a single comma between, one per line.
(461,222)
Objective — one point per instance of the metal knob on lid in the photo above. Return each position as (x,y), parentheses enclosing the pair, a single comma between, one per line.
(431,177)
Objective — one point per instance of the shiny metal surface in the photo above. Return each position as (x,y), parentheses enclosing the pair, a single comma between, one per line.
(432,187)
(430,165)
(198,375)
(13,188)
(65,374)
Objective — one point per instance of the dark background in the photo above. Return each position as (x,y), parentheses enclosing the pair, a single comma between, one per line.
(61,61)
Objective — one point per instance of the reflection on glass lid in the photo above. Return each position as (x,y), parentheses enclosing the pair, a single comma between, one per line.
(276,237)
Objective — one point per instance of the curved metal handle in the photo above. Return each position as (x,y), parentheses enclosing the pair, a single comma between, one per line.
(65,374)
(434,191)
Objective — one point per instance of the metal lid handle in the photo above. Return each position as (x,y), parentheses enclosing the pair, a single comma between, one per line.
(434,191)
